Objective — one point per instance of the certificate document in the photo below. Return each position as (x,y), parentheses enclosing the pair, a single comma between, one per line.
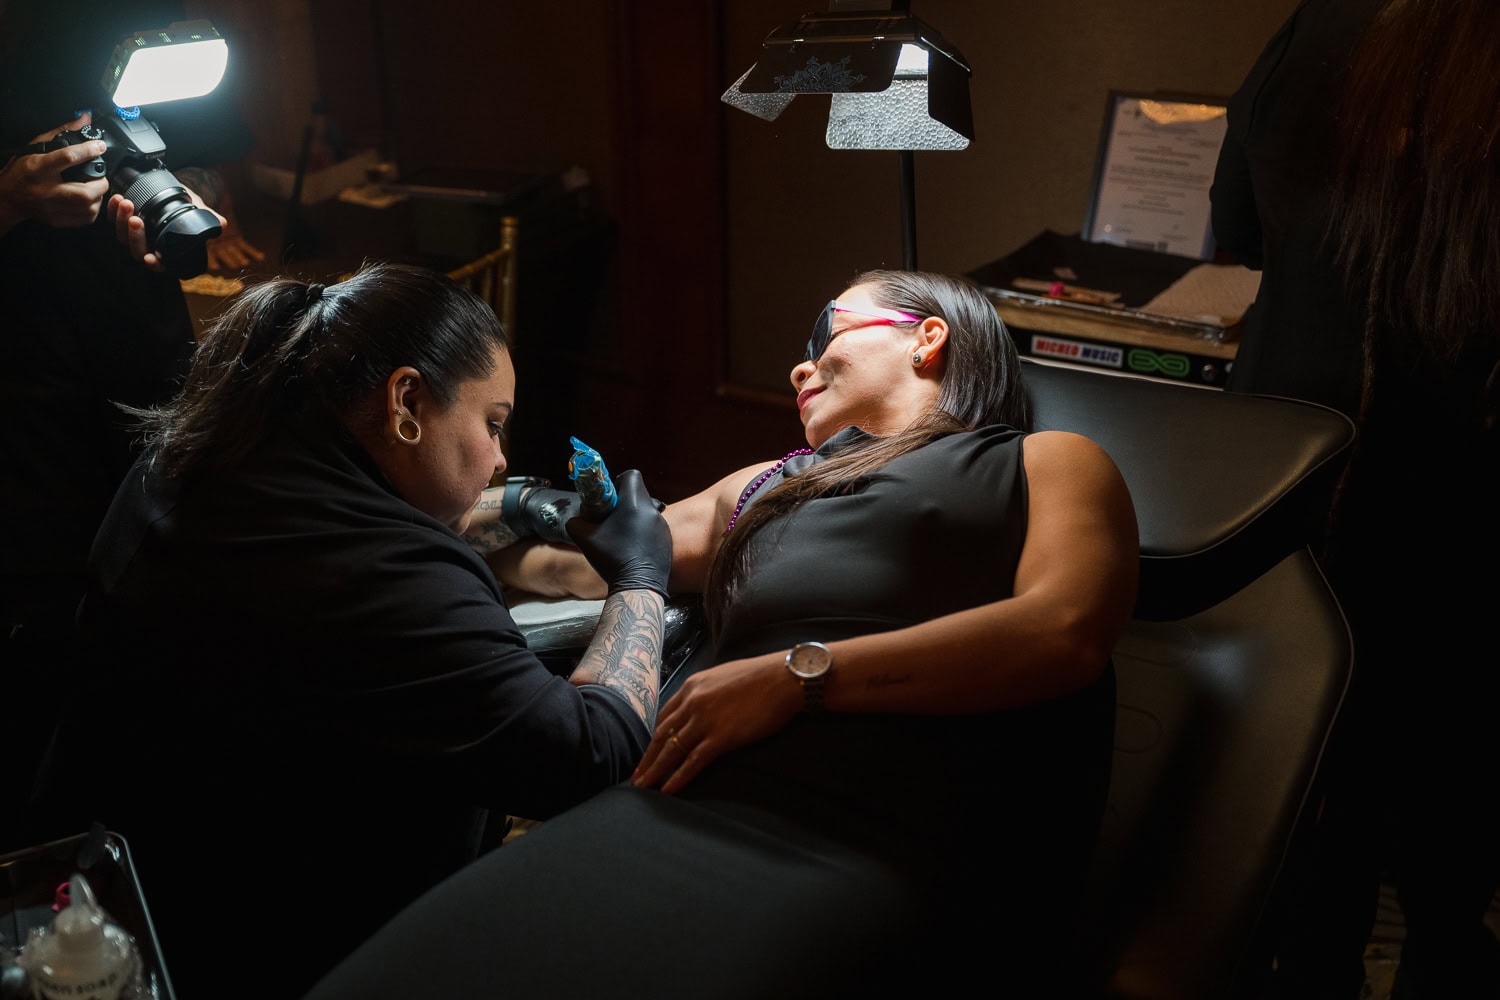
(1156,164)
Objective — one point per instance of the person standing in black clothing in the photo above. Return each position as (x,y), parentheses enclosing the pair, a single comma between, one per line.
(1361,174)
(86,326)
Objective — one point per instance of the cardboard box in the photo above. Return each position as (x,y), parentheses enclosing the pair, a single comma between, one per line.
(319,185)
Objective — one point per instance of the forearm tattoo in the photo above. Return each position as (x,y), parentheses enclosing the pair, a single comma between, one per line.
(490,537)
(625,654)
(887,680)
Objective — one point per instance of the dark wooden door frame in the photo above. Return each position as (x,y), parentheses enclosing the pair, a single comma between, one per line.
(689,424)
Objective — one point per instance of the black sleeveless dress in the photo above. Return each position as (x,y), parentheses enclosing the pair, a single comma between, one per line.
(846,853)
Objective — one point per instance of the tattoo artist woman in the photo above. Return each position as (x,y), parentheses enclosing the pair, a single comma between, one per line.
(301,685)
(900,747)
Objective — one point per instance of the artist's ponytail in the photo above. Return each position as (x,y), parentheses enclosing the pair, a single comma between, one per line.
(288,351)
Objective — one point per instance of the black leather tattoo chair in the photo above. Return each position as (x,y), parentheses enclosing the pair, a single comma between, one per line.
(1230,680)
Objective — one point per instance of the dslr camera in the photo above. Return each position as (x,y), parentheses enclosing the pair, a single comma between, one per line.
(177,230)
(186,59)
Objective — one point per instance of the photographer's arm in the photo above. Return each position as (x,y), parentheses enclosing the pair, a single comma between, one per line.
(31,184)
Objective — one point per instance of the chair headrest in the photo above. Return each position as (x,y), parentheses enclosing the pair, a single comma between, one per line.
(1225,484)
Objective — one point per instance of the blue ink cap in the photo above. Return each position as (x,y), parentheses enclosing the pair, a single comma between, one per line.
(596,490)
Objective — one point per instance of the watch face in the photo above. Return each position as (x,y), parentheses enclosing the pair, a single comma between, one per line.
(809,659)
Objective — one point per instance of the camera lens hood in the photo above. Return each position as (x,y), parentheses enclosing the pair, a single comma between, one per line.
(176,229)
(182,242)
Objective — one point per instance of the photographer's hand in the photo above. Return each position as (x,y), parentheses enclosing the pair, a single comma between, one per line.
(31,185)
(130,229)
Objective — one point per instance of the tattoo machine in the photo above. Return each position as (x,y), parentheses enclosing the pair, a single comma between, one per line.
(595,488)
(533,509)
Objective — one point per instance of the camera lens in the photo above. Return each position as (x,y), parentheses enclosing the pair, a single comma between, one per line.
(176,230)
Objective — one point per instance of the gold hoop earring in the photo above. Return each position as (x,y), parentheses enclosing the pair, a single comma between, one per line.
(408,430)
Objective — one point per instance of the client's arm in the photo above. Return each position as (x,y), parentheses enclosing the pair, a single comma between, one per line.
(546,569)
(1074,591)
(523,562)
(537,567)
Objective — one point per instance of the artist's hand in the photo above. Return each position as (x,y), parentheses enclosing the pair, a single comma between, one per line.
(632,547)
(32,186)
(718,710)
(130,229)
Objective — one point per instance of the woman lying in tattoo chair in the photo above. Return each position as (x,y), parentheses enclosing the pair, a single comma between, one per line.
(893,766)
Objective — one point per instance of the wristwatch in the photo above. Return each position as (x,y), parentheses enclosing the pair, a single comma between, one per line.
(810,663)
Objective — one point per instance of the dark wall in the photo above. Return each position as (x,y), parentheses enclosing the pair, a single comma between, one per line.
(728,232)
(803,217)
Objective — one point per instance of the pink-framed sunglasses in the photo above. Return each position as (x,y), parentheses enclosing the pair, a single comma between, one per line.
(823,328)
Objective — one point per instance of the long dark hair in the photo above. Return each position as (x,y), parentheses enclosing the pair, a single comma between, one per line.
(1416,198)
(981,385)
(287,349)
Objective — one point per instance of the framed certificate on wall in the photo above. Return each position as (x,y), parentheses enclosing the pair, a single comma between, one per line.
(1156,163)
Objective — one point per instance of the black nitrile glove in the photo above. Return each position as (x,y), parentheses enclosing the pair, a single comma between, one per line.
(632,547)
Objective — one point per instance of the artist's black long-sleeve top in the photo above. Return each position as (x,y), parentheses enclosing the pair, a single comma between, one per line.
(293,675)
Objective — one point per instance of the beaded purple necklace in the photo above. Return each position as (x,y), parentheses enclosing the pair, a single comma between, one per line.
(759,482)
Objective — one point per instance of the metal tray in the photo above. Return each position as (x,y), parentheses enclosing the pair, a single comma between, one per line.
(28,885)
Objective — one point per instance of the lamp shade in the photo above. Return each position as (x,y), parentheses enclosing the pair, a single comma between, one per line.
(895,82)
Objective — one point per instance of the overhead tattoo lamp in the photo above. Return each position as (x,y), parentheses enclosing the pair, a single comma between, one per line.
(895,82)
